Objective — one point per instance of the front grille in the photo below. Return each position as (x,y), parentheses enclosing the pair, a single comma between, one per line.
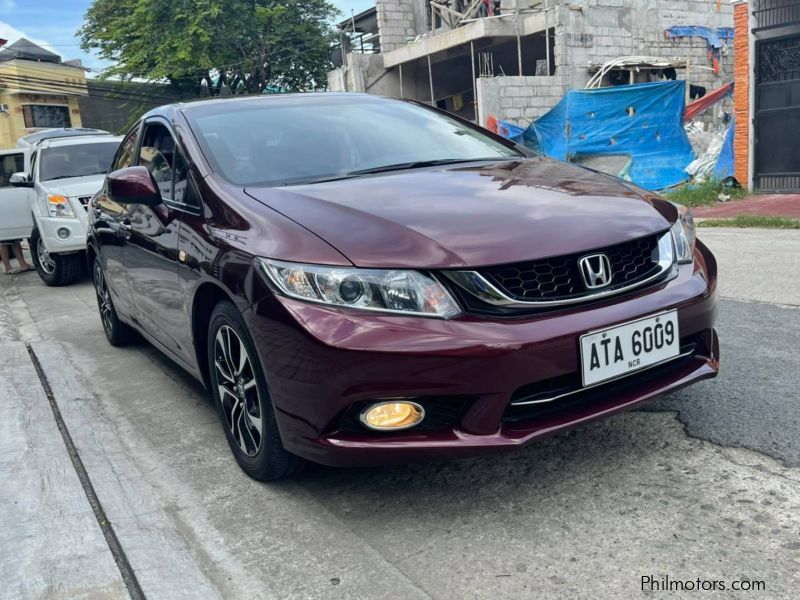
(84,200)
(559,278)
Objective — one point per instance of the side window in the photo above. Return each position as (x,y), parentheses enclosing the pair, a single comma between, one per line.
(124,157)
(10,164)
(184,190)
(157,154)
(161,156)
(180,177)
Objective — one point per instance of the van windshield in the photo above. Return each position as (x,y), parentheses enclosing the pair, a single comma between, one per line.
(77,160)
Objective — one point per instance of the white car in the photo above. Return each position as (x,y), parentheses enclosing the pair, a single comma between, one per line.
(62,170)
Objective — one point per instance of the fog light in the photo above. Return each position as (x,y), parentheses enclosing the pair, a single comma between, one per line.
(392,415)
(63,233)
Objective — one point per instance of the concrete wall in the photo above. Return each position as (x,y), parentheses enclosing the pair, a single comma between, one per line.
(600,30)
(396,22)
(365,73)
(518,99)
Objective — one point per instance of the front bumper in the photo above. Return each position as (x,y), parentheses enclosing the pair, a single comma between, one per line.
(48,228)
(322,362)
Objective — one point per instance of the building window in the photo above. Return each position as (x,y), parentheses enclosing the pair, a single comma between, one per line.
(45,115)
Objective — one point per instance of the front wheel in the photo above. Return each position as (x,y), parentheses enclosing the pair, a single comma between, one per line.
(242,398)
(54,269)
(117,332)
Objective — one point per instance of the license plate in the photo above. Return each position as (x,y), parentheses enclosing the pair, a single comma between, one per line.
(617,351)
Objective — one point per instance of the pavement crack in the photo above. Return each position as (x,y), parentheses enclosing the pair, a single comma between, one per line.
(754,301)
(121,560)
(723,447)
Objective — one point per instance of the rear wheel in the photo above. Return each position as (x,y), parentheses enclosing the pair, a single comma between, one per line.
(242,398)
(54,269)
(117,332)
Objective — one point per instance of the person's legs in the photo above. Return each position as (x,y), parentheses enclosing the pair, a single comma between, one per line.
(23,264)
(4,257)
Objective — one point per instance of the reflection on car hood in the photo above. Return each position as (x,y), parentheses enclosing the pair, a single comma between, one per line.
(474,215)
(74,186)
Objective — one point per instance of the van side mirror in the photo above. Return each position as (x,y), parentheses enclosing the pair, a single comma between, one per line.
(20,180)
(133,185)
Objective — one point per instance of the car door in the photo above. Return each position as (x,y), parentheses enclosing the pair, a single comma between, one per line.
(150,252)
(111,229)
(16,221)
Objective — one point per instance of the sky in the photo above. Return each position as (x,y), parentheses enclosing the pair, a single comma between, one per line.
(53,24)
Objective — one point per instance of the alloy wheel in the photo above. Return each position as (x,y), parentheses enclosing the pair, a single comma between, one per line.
(46,261)
(238,391)
(103,299)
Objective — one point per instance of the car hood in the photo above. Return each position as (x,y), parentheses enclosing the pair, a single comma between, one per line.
(470,216)
(74,186)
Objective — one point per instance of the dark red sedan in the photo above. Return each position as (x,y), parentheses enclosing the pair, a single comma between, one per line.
(360,280)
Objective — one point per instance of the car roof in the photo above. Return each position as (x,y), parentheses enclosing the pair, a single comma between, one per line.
(310,98)
(59,132)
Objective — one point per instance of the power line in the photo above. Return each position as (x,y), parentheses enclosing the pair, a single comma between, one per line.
(49,86)
(288,51)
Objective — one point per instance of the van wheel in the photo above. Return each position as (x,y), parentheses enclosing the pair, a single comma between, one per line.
(242,398)
(54,269)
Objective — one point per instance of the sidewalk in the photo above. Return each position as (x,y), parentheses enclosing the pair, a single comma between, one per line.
(774,205)
(52,546)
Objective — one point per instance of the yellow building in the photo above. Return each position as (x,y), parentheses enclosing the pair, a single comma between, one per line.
(37,91)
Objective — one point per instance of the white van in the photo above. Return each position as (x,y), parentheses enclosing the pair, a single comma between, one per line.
(47,198)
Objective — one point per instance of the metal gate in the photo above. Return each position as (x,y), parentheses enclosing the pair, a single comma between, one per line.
(777,118)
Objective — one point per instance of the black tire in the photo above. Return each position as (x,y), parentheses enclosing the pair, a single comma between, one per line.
(55,269)
(246,404)
(117,332)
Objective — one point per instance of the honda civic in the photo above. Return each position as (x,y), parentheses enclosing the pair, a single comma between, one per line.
(360,280)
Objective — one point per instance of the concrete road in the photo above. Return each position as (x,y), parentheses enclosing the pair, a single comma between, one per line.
(702,485)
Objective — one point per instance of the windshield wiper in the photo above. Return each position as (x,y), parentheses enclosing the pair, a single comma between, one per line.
(396,167)
(420,164)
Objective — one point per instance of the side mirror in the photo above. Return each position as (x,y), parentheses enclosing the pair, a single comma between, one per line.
(133,185)
(20,180)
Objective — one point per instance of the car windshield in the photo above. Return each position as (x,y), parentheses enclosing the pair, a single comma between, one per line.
(76,160)
(293,140)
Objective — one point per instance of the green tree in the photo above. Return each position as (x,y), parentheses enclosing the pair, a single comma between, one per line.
(238,45)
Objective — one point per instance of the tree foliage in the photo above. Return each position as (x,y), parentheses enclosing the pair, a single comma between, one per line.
(233,45)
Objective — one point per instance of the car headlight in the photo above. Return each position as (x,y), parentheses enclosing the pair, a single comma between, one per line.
(58,206)
(392,291)
(683,232)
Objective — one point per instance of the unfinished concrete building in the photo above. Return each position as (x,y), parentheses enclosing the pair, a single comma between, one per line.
(516,58)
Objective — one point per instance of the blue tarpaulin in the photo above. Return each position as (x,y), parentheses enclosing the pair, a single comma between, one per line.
(643,121)
(724,166)
(510,130)
(715,37)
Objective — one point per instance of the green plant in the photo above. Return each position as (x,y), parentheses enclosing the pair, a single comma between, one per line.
(702,194)
(246,46)
(752,221)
